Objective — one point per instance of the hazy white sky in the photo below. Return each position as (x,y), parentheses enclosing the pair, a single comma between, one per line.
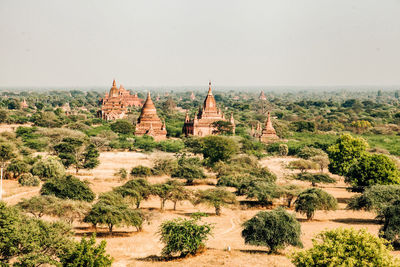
(187,42)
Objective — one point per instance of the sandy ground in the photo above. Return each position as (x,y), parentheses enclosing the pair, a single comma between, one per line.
(130,248)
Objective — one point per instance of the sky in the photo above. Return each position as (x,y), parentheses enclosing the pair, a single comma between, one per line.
(75,43)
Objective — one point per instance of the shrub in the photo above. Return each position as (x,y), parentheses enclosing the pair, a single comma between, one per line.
(371,169)
(315,178)
(122,173)
(283,150)
(302,165)
(314,199)
(141,171)
(264,192)
(18,167)
(189,168)
(27,179)
(309,152)
(216,198)
(145,142)
(68,187)
(391,226)
(345,247)
(173,146)
(183,236)
(87,253)
(48,168)
(273,229)
(218,148)
(122,127)
(138,189)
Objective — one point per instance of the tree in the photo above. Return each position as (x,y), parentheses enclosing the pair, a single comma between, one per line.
(38,205)
(68,187)
(164,191)
(263,191)
(302,165)
(137,189)
(283,150)
(371,169)
(164,166)
(112,211)
(218,148)
(273,229)
(315,178)
(183,236)
(216,198)
(179,193)
(189,168)
(27,179)
(345,247)
(18,167)
(122,173)
(322,161)
(29,241)
(375,198)
(6,153)
(309,152)
(289,192)
(75,152)
(47,168)
(222,127)
(346,151)
(141,171)
(314,199)
(122,127)
(87,253)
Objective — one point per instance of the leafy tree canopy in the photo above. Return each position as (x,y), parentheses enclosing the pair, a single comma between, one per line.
(313,199)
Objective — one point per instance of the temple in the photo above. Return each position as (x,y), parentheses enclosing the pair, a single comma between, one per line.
(115,104)
(149,123)
(266,135)
(262,96)
(192,97)
(201,125)
(24,104)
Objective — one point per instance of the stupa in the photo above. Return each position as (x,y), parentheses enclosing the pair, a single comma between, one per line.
(149,123)
(268,134)
(201,125)
(262,96)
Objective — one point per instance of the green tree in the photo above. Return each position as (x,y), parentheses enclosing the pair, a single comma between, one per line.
(18,167)
(273,229)
(122,127)
(27,179)
(222,127)
(87,253)
(6,153)
(47,168)
(371,169)
(165,166)
(183,236)
(68,187)
(290,192)
(309,152)
(263,191)
(217,198)
(375,198)
(302,165)
(141,171)
(137,189)
(346,247)
(165,191)
(283,150)
(111,210)
(218,148)
(189,168)
(314,199)
(346,151)
(315,178)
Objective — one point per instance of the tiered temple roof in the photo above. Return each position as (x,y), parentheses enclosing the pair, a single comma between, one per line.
(201,125)
(149,123)
(115,103)
(268,133)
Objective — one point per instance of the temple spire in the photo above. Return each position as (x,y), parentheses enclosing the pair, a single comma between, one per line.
(209,88)
(187,117)
(114,83)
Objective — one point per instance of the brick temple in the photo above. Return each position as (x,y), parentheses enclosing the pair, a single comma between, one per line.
(149,123)
(267,134)
(201,125)
(115,104)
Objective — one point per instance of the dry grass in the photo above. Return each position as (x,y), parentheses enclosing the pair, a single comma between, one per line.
(131,248)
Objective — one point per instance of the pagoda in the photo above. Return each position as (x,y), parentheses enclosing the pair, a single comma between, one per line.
(115,103)
(149,123)
(268,134)
(201,125)
(24,105)
(262,96)
(192,96)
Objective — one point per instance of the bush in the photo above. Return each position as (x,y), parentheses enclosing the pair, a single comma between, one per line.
(216,198)
(27,179)
(141,171)
(263,191)
(309,152)
(68,187)
(302,165)
(371,169)
(189,168)
(18,167)
(173,146)
(145,142)
(138,189)
(122,173)
(314,199)
(218,148)
(283,150)
(315,178)
(183,236)
(48,168)
(273,229)
(87,253)
(391,227)
(345,247)
(122,127)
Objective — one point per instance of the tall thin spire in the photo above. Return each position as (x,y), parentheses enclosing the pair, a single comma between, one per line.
(209,88)
(114,83)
